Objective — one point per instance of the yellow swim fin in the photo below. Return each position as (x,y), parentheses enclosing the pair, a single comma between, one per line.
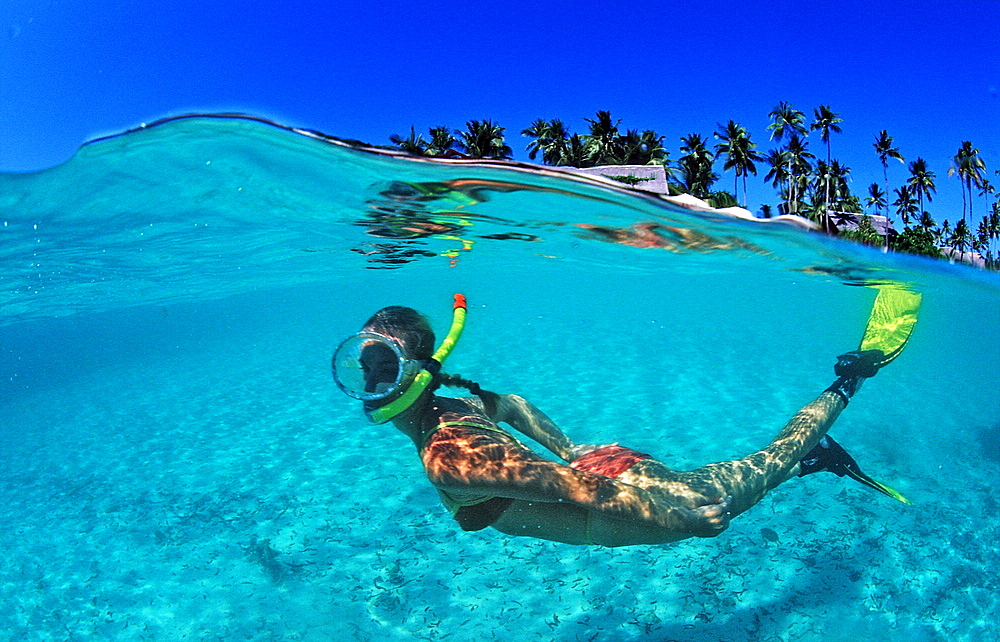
(857,474)
(893,316)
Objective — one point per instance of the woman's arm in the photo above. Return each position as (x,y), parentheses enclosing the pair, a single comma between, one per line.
(529,420)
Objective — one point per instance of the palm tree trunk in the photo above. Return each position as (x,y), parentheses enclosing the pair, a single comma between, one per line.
(963,197)
(788,187)
(885,175)
(826,204)
(969,183)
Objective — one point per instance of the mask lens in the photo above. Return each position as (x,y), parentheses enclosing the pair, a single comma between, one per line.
(369,366)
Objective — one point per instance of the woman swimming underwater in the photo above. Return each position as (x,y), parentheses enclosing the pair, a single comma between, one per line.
(607,495)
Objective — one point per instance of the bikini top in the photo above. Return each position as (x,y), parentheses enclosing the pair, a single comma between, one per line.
(468,424)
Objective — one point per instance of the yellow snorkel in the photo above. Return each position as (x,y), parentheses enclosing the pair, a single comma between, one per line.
(426,375)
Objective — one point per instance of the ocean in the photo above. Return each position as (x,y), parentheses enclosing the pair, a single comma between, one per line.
(177,463)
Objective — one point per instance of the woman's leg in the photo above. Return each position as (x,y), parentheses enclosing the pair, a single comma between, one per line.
(745,480)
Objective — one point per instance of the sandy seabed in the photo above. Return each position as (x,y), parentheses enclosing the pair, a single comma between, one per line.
(209,497)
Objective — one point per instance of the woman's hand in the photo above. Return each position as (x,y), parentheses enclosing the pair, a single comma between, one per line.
(710,518)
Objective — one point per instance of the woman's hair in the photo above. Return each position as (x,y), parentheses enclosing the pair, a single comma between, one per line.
(489,399)
(414,333)
(456,381)
(407,326)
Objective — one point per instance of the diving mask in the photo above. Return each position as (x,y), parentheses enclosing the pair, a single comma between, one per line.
(373,368)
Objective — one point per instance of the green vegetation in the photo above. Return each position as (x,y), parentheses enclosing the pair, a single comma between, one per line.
(866,233)
(630,179)
(917,240)
(818,189)
(480,139)
(695,167)
(739,152)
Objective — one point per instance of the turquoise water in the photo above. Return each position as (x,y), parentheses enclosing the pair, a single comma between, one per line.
(175,461)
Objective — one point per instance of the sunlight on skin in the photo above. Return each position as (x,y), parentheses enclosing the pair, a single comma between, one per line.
(649,503)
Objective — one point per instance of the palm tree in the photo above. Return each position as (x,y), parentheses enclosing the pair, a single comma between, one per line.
(442,140)
(831,192)
(921,181)
(550,139)
(539,131)
(927,222)
(602,140)
(981,241)
(885,150)
(986,189)
(994,223)
(970,169)
(840,190)
(575,152)
(640,149)
(960,168)
(778,175)
(943,233)
(800,167)
(876,198)
(960,238)
(786,120)
(559,140)
(826,121)
(696,166)
(905,205)
(820,191)
(652,150)
(484,139)
(412,144)
(739,151)
(777,161)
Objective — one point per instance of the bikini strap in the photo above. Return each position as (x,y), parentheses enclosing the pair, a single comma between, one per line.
(466,424)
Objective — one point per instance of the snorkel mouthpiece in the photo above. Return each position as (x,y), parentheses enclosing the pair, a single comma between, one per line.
(430,368)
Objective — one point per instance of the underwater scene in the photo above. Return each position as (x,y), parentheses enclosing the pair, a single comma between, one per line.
(176,461)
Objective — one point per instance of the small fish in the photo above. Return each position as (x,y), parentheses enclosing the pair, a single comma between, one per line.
(769,535)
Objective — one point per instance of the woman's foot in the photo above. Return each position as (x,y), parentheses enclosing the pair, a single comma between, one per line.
(829,456)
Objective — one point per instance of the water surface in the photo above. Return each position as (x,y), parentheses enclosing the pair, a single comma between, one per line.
(176,461)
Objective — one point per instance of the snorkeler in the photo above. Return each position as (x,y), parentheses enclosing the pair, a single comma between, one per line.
(607,495)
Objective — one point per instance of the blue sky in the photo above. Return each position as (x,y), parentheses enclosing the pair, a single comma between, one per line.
(928,72)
